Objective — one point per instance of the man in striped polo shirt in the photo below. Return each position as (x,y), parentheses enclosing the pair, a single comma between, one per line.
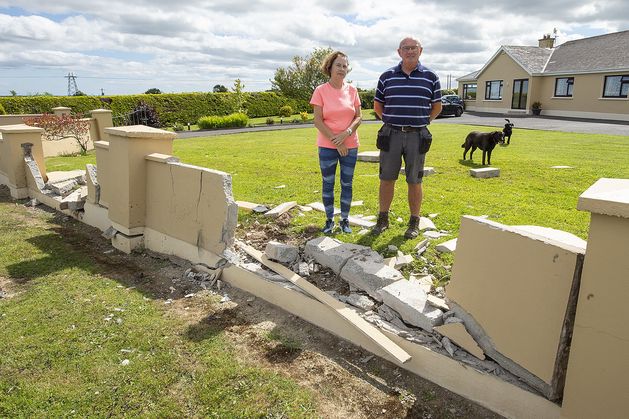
(407,98)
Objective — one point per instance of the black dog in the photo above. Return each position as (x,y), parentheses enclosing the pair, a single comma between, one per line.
(486,141)
(508,130)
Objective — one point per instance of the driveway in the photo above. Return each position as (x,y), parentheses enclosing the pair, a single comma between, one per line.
(490,120)
(540,123)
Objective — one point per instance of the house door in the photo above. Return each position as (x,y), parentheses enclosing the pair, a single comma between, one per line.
(520,91)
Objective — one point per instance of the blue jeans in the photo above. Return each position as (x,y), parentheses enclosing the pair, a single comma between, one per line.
(328,159)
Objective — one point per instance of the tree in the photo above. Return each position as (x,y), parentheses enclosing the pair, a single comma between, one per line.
(79,93)
(299,80)
(65,126)
(153,91)
(13,92)
(219,88)
(240,95)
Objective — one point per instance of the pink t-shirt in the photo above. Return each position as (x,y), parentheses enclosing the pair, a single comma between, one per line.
(339,109)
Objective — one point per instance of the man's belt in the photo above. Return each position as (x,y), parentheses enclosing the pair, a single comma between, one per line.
(405,128)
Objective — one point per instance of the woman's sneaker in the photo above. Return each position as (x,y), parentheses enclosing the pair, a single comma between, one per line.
(345,228)
(329,226)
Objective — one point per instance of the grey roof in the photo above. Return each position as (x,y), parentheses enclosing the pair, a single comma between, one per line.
(471,76)
(532,59)
(598,53)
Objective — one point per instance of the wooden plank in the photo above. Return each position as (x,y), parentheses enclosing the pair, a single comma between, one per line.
(348,314)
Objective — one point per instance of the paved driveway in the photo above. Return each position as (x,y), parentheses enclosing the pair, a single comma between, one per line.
(490,120)
(541,123)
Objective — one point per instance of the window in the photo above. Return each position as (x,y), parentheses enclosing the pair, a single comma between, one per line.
(563,86)
(469,91)
(616,86)
(493,90)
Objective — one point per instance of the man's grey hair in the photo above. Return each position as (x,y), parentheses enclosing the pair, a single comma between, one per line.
(412,38)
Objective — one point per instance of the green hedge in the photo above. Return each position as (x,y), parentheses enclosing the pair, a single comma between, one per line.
(170,107)
(235,120)
(366,99)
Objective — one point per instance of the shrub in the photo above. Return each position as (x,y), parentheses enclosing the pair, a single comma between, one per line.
(304,116)
(270,121)
(144,114)
(2,111)
(178,126)
(235,120)
(285,111)
(64,126)
(366,98)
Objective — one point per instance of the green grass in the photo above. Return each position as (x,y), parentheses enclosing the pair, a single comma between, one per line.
(62,357)
(528,191)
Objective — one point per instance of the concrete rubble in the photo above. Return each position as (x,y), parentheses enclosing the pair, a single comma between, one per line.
(282,253)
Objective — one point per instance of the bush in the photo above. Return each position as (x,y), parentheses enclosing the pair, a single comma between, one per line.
(270,121)
(235,120)
(304,116)
(178,126)
(285,111)
(366,98)
(144,114)
(2,111)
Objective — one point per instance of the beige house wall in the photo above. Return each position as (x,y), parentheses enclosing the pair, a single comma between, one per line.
(587,100)
(498,69)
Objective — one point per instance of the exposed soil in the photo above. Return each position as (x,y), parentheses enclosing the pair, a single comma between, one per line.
(346,380)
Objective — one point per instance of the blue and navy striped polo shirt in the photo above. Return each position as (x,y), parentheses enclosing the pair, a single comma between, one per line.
(408,99)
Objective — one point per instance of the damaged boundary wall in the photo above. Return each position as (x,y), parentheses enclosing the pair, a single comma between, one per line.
(551,312)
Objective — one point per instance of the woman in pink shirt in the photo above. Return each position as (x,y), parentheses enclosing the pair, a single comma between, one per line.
(336,117)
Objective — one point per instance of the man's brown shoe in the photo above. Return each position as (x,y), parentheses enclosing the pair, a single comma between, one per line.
(382,224)
(413,228)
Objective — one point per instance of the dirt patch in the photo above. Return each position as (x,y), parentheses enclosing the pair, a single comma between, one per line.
(346,380)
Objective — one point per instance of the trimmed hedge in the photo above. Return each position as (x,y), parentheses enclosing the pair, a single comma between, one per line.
(170,107)
(366,98)
(235,120)
(2,111)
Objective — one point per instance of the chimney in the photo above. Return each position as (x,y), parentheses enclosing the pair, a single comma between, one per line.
(546,41)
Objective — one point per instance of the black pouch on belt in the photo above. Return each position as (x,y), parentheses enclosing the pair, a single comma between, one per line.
(425,140)
(384,136)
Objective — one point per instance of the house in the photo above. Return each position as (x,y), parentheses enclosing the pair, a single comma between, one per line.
(585,78)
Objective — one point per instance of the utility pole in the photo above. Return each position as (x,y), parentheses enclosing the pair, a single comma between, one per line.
(72,89)
(102,92)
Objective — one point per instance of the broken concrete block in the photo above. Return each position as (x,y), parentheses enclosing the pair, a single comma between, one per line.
(356,203)
(334,253)
(369,274)
(410,301)
(561,167)
(369,156)
(247,206)
(93,187)
(73,201)
(426,224)
(281,252)
(36,176)
(429,171)
(63,188)
(319,207)
(361,222)
(360,301)
(459,335)
(431,234)
(485,172)
(447,247)
(424,282)
(437,302)
(280,209)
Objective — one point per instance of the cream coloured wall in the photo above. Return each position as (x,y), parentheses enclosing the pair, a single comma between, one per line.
(502,68)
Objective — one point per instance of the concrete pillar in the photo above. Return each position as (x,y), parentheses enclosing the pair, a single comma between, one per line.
(102,171)
(128,147)
(597,380)
(61,110)
(12,166)
(104,120)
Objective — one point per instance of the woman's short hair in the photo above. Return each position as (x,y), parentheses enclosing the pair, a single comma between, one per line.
(326,65)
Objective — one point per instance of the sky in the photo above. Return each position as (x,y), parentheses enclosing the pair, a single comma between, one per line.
(127,47)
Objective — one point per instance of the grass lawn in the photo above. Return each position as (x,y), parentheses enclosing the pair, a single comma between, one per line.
(528,191)
(67,332)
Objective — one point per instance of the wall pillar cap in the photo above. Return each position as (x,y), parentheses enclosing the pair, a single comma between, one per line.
(606,197)
(61,108)
(100,111)
(20,129)
(140,131)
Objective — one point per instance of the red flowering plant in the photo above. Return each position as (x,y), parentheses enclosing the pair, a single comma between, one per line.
(65,126)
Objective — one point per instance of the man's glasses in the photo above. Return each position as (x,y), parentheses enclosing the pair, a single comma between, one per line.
(410,48)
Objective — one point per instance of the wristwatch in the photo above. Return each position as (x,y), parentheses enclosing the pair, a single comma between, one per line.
(349,131)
